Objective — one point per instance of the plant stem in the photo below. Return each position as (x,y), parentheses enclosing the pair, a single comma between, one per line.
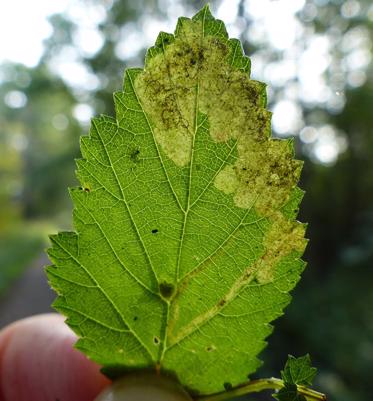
(255,386)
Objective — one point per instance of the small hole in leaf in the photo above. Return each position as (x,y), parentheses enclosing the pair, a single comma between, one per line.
(155,231)
(135,318)
(156,340)
(228,386)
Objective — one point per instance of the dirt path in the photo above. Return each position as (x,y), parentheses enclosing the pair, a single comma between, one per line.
(29,295)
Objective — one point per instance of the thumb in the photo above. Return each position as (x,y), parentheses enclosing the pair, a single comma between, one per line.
(38,363)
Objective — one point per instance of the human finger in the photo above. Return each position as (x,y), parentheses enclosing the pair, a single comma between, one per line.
(38,363)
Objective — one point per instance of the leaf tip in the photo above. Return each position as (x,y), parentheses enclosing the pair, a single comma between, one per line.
(204,13)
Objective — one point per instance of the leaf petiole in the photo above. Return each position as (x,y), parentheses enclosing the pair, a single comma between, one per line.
(255,386)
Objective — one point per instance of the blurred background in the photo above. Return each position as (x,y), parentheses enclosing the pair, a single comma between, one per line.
(61,60)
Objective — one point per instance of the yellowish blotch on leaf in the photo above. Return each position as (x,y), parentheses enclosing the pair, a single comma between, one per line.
(284,237)
(227,180)
(191,74)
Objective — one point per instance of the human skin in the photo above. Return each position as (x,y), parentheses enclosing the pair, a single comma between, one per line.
(38,363)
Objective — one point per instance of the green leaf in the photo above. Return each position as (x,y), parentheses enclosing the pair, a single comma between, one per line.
(185,245)
(290,393)
(298,371)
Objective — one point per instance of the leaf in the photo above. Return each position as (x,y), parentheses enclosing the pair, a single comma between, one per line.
(298,371)
(185,244)
(290,393)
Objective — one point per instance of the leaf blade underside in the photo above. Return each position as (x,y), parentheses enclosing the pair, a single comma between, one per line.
(186,242)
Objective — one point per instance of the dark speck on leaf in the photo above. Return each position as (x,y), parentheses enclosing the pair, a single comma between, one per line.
(222,302)
(135,155)
(166,289)
(155,231)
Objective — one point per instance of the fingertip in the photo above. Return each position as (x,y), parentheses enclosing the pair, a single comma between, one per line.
(38,363)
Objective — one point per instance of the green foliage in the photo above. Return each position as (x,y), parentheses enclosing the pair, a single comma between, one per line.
(297,371)
(17,249)
(290,393)
(34,152)
(186,244)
